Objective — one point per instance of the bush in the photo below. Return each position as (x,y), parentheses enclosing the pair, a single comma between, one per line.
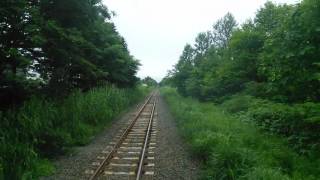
(43,129)
(299,123)
(237,103)
(232,149)
(266,174)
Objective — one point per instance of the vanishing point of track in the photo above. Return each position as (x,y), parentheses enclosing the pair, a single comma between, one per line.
(131,154)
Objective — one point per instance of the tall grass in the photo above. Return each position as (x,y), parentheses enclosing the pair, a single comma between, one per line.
(42,129)
(299,122)
(233,149)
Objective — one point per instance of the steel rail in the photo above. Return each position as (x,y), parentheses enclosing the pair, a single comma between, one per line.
(117,145)
(146,140)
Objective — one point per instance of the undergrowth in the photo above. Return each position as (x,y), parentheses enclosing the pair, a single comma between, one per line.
(233,149)
(299,123)
(42,129)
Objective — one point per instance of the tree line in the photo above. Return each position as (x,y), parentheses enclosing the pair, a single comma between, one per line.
(53,55)
(149,81)
(52,47)
(271,61)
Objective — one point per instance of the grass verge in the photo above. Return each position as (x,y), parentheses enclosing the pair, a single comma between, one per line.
(42,129)
(232,149)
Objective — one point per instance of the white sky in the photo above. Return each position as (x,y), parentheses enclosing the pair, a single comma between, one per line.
(157,30)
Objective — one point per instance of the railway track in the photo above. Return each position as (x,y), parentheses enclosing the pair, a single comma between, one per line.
(130,155)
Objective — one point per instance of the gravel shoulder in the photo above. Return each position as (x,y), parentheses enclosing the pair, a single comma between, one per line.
(73,166)
(172,158)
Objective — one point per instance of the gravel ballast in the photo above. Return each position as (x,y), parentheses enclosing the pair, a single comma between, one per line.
(172,160)
(75,164)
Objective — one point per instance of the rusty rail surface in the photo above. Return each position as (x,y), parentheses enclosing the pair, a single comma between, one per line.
(146,139)
(124,135)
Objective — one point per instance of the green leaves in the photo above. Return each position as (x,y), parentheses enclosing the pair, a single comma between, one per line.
(67,44)
(50,48)
(269,68)
(43,128)
(278,49)
(230,148)
(149,81)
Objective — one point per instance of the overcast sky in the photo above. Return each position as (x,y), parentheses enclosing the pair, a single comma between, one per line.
(157,30)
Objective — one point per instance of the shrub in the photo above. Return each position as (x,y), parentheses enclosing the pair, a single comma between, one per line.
(43,129)
(238,103)
(261,173)
(299,123)
(232,149)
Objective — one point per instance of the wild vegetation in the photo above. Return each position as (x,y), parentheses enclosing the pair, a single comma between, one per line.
(231,148)
(149,81)
(56,46)
(265,71)
(65,73)
(43,129)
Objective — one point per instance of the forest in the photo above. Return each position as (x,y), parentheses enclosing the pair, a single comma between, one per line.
(267,67)
(53,47)
(65,73)
(245,97)
(264,71)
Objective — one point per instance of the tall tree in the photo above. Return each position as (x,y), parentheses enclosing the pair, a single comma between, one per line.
(184,68)
(290,52)
(223,29)
(19,46)
(64,44)
(84,47)
(203,42)
(149,81)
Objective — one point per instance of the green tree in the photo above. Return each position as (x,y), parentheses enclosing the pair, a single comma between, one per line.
(223,29)
(203,43)
(290,53)
(184,68)
(149,81)
(84,49)
(20,43)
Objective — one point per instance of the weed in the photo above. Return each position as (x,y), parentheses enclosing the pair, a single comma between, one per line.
(233,149)
(43,129)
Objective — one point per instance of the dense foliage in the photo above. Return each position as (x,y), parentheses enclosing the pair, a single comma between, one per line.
(149,81)
(43,129)
(267,67)
(53,53)
(232,149)
(55,46)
